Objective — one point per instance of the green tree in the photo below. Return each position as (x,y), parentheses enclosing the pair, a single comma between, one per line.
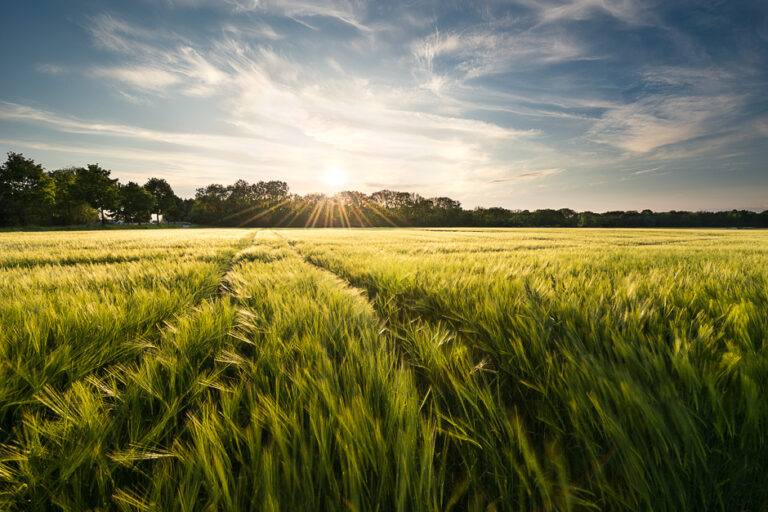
(26,192)
(209,206)
(94,186)
(68,208)
(165,199)
(135,203)
(180,210)
(272,191)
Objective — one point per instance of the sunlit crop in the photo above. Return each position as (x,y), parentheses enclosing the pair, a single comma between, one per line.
(384,370)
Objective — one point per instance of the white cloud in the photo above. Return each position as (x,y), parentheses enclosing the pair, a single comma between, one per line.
(633,12)
(118,36)
(344,11)
(252,29)
(484,49)
(647,171)
(154,61)
(761,126)
(529,175)
(651,123)
(138,77)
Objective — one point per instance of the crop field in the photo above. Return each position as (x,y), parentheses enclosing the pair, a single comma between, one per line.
(403,369)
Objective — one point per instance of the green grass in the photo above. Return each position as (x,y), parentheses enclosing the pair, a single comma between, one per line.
(384,370)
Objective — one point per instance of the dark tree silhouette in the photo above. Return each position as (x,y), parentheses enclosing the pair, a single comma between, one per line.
(135,203)
(68,207)
(165,199)
(26,192)
(94,186)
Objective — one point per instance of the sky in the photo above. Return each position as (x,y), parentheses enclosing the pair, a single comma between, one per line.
(591,104)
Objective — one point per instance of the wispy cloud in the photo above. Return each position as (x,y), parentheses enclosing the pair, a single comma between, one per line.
(531,175)
(345,11)
(487,49)
(632,12)
(692,104)
(138,77)
(155,61)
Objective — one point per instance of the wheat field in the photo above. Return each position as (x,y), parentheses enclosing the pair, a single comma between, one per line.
(402,369)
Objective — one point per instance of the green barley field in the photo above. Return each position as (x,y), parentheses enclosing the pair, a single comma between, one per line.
(488,370)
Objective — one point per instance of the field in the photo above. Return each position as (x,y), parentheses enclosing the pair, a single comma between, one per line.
(384,370)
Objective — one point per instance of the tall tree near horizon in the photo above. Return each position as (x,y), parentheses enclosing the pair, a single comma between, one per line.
(209,206)
(95,187)
(26,191)
(272,191)
(68,207)
(135,203)
(165,199)
(180,209)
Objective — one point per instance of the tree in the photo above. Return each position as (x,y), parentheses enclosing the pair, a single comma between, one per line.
(94,186)
(26,192)
(136,203)
(241,201)
(209,206)
(165,199)
(547,218)
(491,217)
(68,208)
(385,199)
(272,191)
(180,210)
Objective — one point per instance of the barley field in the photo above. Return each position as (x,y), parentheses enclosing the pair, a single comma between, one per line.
(403,369)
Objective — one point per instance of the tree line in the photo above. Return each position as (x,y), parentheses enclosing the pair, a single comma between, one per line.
(29,195)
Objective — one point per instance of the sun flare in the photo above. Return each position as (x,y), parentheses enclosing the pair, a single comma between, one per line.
(334,177)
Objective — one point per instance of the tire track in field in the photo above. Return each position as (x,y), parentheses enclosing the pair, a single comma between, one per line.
(225,267)
(242,245)
(343,283)
(442,401)
(115,376)
(154,333)
(136,342)
(406,309)
(390,335)
(400,321)
(404,315)
(390,324)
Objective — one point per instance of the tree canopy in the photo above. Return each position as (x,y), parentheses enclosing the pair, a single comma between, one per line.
(165,199)
(135,203)
(94,186)
(27,192)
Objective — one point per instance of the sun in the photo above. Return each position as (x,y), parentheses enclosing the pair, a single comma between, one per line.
(334,177)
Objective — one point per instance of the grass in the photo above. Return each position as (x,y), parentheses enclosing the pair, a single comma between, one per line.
(384,370)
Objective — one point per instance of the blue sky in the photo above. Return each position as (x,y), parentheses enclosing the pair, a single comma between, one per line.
(592,104)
